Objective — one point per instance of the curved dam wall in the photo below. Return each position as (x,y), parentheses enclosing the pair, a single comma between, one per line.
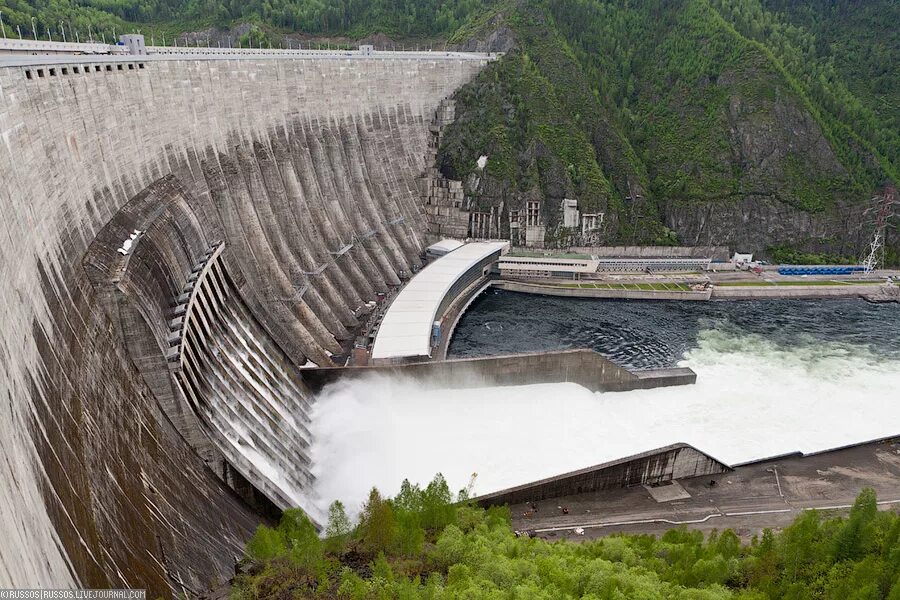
(304,168)
(228,389)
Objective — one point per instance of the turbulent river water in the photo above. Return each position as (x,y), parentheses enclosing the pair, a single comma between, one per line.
(773,377)
(650,334)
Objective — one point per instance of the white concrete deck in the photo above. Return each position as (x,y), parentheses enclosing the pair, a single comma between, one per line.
(406,328)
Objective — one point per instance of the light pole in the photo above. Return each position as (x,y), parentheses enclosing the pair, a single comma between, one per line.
(2,27)
(19,29)
(33,29)
(63,30)
(90,35)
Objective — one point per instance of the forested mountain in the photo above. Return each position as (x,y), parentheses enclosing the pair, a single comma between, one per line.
(354,18)
(692,120)
(762,124)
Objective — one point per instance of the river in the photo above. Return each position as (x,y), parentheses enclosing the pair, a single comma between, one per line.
(772,377)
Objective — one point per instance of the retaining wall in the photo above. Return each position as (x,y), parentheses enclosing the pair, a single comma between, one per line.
(791,291)
(656,466)
(587,368)
(577,292)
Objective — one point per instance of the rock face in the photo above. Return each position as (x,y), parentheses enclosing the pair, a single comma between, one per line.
(499,39)
(304,168)
(786,188)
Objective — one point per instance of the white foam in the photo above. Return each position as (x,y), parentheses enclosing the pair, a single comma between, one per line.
(752,400)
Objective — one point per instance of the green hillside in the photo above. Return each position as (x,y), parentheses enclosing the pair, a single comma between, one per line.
(683,109)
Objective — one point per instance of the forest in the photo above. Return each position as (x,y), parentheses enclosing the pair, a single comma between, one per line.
(426,544)
(353,18)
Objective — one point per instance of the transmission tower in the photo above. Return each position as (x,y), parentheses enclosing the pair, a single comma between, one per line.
(883,209)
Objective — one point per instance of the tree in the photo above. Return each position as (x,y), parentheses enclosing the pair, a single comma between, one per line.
(265,544)
(378,524)
(855,537)
(301,538)
(338,529)
(255,38)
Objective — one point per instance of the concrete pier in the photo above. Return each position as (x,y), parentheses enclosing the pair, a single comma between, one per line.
(678,461)
(587,368)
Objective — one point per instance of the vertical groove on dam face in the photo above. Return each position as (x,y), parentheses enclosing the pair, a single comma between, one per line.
(106,483)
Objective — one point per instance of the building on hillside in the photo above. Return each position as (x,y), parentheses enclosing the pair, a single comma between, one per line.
(523,265)
(570,214)
(533,265)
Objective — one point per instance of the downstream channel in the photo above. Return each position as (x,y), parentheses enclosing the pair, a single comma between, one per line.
(773,377)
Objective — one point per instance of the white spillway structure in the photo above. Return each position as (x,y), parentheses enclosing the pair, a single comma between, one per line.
(406,328)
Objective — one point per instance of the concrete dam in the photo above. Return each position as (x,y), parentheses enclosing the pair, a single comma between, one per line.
(180,234)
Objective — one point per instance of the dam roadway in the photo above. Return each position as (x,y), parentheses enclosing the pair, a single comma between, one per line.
(120,174)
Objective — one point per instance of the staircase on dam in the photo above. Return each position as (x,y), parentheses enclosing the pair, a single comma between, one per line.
(279,193)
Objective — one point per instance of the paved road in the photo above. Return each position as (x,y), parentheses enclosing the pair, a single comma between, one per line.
(753,497)
(169,54)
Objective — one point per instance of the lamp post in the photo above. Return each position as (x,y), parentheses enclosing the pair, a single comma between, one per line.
(2,27)
(90,35)
(63,31)
(33,28)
